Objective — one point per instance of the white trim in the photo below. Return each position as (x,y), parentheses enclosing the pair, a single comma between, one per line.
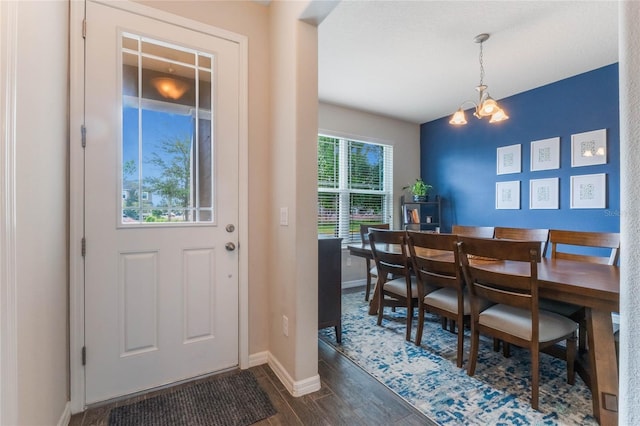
(8,249)
(77,187)
(76,207)
(258,359)
(299,388)
(65,418)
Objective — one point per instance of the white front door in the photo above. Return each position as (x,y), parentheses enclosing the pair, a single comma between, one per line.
(161,206)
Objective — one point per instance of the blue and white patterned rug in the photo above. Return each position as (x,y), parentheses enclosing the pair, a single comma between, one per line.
(427,377)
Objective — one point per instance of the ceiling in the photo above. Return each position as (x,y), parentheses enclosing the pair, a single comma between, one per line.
(417,61)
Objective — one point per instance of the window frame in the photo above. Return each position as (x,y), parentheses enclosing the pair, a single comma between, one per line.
(344,221)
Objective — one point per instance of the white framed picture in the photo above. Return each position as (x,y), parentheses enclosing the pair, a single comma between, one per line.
(545,154)
(589,148)
(509,159)
(543,193)
(508,195)
(589,191)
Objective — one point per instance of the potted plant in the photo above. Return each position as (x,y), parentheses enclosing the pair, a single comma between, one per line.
(419,189)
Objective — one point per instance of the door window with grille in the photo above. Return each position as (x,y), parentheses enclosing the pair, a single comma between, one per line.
(355,186)
(167,127)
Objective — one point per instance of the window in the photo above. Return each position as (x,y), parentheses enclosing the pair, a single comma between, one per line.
(167,127)
(355,185)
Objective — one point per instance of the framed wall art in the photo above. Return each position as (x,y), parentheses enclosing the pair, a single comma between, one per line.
(589,191)
(589,148)
(508,195)
(543,193)
(509,159)
(545,154)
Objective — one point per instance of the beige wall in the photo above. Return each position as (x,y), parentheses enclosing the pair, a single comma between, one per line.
(294,127)
(41,212)
(402,135)
(252,20)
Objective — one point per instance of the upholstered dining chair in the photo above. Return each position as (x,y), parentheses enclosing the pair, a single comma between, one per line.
(389,249)
(520,234)
(515,317)
(372,271)
(566,244)
(436,265)
(473,231)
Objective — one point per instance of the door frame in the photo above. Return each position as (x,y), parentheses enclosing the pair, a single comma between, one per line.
(76,184)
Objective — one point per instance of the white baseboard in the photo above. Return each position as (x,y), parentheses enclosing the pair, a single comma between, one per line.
(258,359)
(299,388)
(65,418)
(354,283)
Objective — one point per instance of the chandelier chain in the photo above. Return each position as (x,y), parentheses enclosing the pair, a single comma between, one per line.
(481,66)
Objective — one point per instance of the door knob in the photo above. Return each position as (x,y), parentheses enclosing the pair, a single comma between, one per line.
(230,246)
(230,228)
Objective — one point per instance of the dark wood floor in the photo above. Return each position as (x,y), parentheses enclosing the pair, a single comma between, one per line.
(348,396)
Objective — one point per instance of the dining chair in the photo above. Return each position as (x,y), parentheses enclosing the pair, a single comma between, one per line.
(604,249)
(520,234)
(515,317)
(372,272)
(396,286)
(473,231)
(435,262)
(524,234)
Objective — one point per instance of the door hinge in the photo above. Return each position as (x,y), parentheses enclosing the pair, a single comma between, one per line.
(84,28)
(84,247)
(83,134)
(84,355)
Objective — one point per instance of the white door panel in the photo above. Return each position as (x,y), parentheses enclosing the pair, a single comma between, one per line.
(161,299)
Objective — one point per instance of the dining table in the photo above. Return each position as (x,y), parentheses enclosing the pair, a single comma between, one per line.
(596,287)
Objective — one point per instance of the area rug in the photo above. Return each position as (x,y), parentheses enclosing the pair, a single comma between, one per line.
(230,400)
(427,376)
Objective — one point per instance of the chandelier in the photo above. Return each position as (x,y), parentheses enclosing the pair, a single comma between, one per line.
(486,105)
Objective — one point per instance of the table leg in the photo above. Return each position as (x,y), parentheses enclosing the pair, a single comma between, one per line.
(604,366)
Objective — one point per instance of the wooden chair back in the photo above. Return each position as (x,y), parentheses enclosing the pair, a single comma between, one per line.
(608,240)
(524,234)
(473,231)
(364,229)
(435,260)
(520,291)
(364,236)
(389,250)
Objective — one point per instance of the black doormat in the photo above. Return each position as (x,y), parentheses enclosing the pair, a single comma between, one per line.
(230,400)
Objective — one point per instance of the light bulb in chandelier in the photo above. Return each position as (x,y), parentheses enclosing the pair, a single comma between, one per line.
(458,118)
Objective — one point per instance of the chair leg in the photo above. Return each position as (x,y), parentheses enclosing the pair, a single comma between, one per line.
(368,290)
(452,326)
(496,345)
(460,342)
(473,352)
(420,328)
(506,350)
(443,322)
(571,356)
(409,319)
(535,376)
(380,293)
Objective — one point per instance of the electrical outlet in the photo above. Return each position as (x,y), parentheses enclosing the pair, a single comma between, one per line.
(285,325)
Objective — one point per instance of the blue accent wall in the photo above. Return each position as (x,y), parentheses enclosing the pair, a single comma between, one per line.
(460,161)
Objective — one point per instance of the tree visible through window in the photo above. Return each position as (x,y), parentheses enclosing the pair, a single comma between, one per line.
(355,181)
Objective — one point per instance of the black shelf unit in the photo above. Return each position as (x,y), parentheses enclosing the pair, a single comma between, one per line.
(420,215)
